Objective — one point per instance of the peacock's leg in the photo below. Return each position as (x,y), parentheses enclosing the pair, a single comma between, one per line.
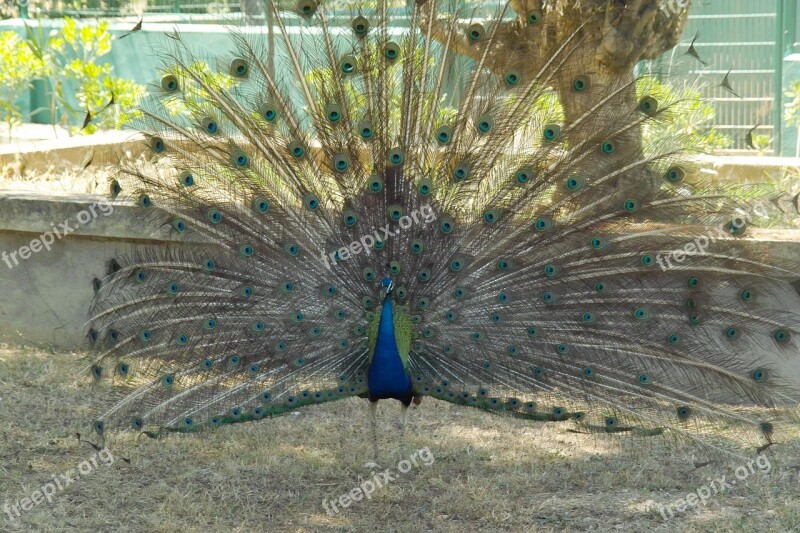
(403,416)
(403,420)
(373,410)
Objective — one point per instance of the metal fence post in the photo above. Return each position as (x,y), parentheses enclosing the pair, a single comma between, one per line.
(790,30)
(779,50)
(40,102)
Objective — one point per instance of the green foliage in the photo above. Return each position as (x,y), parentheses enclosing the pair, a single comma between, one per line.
(689,115)
(68,58)
(194,95)
(320,81)
(762,143)
(791,111)
(72,56)
(770,197)
(18,67)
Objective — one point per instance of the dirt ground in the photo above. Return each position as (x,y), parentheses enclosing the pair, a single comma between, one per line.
(457,469)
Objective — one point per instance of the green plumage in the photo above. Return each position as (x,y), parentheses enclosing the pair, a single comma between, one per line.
(528,247)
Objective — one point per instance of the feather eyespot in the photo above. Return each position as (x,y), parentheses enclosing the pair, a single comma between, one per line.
(297,150)
(675,175)
(240,159)
(334,113)
(782,336)
(581,84)
(396,156)
(543,224)
(491,216)
(365,130)
(485,124)
(444,134)
(369,274)
(214,216)
(348,64)
(210,125)
(476,33)
(392,51)
(552,132)
(447,225)
(649,106)
(461,172)
(360,26)
(169,83)
(513,77)
(349,218)
(261,204)
(239,68)
(524,175)
(533,17)
(269,112)
(307,8)
(375,184)
(157,144)
(424,187)
(737,226)
(574,183)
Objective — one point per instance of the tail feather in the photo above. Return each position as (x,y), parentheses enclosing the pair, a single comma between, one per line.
(554,268)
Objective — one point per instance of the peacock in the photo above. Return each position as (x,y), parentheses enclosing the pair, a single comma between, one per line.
(353,209)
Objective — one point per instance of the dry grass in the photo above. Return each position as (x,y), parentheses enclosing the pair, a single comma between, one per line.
(57,179)
(489,473)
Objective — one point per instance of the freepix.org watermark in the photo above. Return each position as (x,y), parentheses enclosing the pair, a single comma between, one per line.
(424,215)
(60,482)
(700,244)
(422,457)
(57,232)
(700,497)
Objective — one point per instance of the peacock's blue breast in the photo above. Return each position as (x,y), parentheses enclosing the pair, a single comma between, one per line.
(386,376)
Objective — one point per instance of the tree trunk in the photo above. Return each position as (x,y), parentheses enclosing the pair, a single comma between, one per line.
(612,36)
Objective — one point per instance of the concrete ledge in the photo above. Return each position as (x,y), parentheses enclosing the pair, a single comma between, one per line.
(749,169)
(51,248)
(107,147)
(88,216)
(39,155)
(46,295)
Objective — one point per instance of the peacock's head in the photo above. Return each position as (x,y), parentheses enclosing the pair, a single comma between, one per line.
(386,287)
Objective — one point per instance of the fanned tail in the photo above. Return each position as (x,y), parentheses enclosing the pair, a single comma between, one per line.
(553,267)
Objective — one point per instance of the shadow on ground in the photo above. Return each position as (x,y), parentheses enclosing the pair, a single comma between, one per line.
(483,473)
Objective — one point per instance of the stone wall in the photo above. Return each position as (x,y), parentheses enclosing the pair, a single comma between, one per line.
(46,288)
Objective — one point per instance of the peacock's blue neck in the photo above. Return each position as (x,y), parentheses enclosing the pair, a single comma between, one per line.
(386,376)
